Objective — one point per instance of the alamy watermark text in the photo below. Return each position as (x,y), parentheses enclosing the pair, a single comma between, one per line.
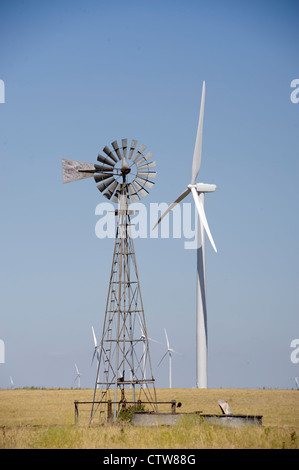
(143,219)
(295,93)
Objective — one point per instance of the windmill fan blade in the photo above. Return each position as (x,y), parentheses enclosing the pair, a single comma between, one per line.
(179,199)
(141,190)
(105,160)
(72,170)
(147,166)
(147,174)
(108,194)
(144,182)
(102,177)
(132,148)
(116,148)
(110,154)
(139,152)
(202,216)
(124,144)
(105,184)
(117,193)
(133,193)
(144,158)
(198,143)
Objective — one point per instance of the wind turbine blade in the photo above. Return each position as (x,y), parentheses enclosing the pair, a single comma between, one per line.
(176,352)
(77,369)
(154,340)
(143,333)
(94,353)
(162,358)
(198,143)
(94,337)
(179,199)
(141,327)
(167,342)
(202,216)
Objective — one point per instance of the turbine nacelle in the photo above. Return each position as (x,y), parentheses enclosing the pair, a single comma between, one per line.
(203,187)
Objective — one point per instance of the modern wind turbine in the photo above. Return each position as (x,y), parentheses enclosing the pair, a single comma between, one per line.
(297,382)
(144,339)
(169,352)
(198,191)
(96,346)
(78,376)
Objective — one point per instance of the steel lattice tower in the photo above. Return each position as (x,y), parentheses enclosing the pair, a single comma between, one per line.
(124,372)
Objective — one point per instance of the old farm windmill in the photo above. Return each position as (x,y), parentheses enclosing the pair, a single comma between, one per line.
(124,372)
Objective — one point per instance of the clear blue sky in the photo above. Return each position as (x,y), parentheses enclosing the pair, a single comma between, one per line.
(80,74)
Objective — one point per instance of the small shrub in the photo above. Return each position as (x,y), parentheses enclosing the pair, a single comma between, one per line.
(126,414)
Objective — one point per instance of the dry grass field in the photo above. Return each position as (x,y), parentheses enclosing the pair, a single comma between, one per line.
(44,419)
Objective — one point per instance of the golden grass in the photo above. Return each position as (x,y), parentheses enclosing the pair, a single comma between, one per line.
(45,419)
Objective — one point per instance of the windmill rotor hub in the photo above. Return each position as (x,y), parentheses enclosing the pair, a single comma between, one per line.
(128,165)
(125,168)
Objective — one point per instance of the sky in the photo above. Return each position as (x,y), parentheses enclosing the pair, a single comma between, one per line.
(80,74)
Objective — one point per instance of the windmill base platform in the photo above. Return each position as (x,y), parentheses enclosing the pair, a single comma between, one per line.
(143,418)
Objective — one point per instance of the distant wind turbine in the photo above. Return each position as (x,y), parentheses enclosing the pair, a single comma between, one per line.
(297,382)
(78,376)
(169,352)
(11,382)
(96,346)
(144,338)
